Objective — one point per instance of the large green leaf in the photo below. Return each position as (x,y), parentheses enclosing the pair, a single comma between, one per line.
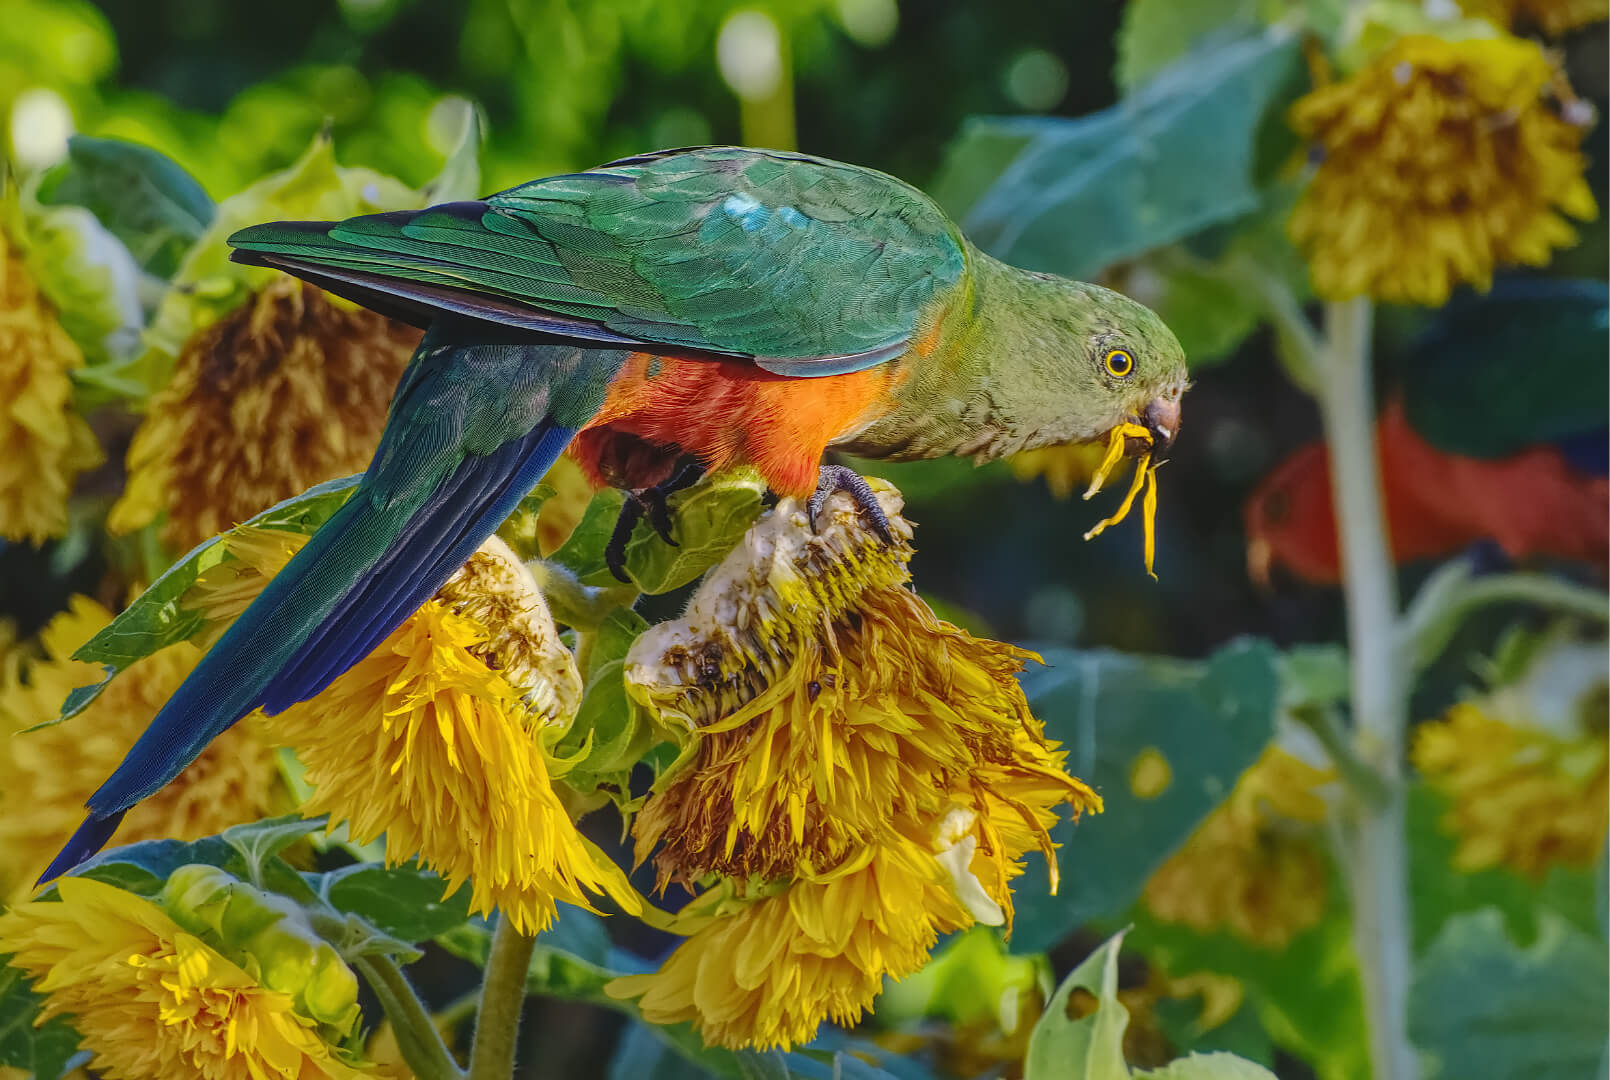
(647,1052)
(405,902)
(158,618)
(1214,1066)
(1482,1006)
(47,1051)
(573,958)
(1176,156)
(1155,33)
(1208,720)
(1306,993)
(142,196)
(1073,1039)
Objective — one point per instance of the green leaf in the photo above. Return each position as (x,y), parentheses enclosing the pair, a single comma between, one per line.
(48,1051)
(261,841)
(460,177)
(1306,993)
(1110,709)
(519,529)
(614,732)
(139,194)
(583,552)
(157,618)
(1155,33)
(648,1052)
(1174,157)
(1482,1006)
(208,286)
(707,521)
(572,959)
(85,272)
(144,868)
(405,902)
(1090,1044)
(1218,1066)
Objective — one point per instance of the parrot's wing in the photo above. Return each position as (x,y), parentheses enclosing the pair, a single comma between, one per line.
(1518,367)
(807,266)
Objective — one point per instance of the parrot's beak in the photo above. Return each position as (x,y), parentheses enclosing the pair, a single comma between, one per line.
(1260,558)
(1161,417)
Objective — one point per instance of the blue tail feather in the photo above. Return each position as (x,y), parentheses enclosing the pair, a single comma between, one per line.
(450,476)
(449,529)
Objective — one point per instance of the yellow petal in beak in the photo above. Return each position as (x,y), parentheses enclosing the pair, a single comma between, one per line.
(1145,475)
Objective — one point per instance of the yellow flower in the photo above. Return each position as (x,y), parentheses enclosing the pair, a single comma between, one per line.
(863,775)
(823,703)
(1252,867)
(1525,793)
(53,770)
(439,738)
(1441,160)
(46,443)
(289,390)
(152,1001)
(766,972)
(1555,17)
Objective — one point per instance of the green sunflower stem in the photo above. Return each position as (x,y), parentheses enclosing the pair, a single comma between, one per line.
(497,1025)
(1373,835)
(417,1038)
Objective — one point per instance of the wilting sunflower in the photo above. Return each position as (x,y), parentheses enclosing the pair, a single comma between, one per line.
(1254,866)
(46,443)
(1439,161)
(1554,17)
(153,1001)
(289,390)
(1526,769)
(53,770)
(440,738)
(858,778)
(822,700)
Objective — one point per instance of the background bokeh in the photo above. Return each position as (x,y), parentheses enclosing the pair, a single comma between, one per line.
(233,91)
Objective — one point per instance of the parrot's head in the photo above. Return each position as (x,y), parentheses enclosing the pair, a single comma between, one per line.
(1112,366)
(1290,523)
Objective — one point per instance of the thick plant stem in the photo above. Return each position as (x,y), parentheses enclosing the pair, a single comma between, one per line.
(1376,850)
(421,1044)
(497,1024)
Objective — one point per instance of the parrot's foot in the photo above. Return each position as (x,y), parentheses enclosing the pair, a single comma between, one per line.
(650,503)
(833,478)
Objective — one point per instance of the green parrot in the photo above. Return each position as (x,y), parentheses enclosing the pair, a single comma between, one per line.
(723,304)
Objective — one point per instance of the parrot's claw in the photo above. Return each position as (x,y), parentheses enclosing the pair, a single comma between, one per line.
(833,478)
(653,504)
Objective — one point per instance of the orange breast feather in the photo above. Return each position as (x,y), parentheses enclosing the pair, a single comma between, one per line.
(724,414)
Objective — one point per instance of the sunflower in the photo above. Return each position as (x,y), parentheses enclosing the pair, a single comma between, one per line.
(1253,866)
(858,778)
(289,390)
(153,1000)
(1526,769)
(53,770)
(823,700)
(1439,161)
(440,739)
(47,443)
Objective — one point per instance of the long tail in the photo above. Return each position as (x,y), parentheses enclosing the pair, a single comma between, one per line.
(471,431)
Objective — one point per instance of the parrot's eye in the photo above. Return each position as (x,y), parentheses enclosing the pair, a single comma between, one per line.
(1119,364)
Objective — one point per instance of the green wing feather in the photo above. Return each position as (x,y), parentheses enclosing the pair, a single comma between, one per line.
(783,257)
